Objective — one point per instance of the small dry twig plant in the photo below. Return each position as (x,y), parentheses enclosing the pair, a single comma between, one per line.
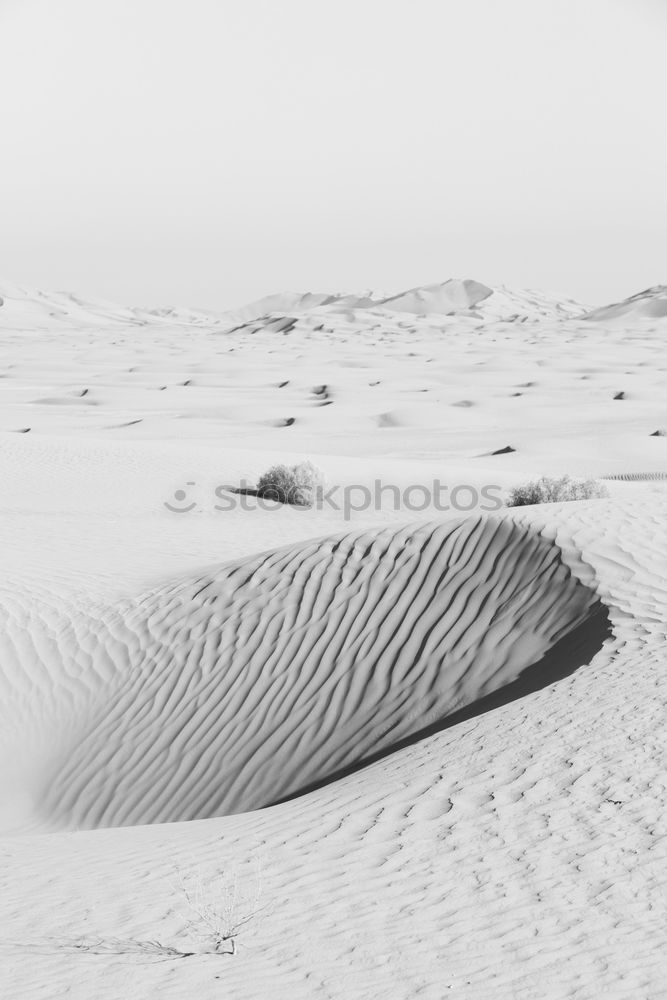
(218,908)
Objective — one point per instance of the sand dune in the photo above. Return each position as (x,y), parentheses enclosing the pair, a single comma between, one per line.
(479,860)
(469,301)
(25,308)
(449,297)
(28,309)
(226,692)
(296,303)
(649,305)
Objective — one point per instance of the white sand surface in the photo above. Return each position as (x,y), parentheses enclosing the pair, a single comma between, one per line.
(428,745)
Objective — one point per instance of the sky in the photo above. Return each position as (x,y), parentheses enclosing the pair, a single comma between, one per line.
(209,152)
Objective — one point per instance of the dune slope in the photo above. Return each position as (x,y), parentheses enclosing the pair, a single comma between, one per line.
(520,854)
(650,304)
(225,692)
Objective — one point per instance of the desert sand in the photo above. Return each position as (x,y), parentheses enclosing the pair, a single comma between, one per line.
(420,752)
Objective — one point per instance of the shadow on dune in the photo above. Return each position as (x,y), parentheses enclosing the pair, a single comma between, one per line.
(575,650)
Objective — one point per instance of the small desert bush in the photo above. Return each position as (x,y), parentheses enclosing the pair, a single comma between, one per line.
(548,490)
(295,484)
(218,908)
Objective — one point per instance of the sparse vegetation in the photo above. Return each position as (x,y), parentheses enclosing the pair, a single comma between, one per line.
(217,909)
(294,484)
(550,490)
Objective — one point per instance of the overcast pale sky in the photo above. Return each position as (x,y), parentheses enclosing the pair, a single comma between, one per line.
(211,151)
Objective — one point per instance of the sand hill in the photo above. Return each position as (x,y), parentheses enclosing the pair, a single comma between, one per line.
(276,673)
(650,304)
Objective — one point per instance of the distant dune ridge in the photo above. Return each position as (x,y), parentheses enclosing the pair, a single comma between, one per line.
(26,308)
(29,308)
(454,297)
(225,692)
